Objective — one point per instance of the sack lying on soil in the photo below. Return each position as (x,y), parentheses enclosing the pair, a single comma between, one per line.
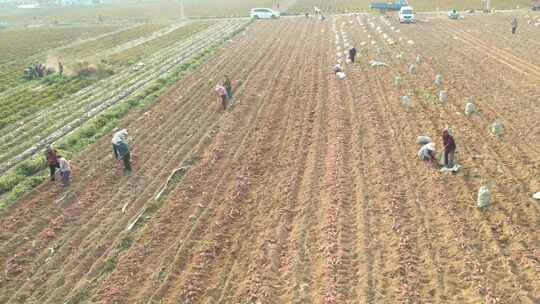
(406,101)
(497,128)
(397,81)
(423,139)
(412,69)
(470,108)
(418,59)
(341,75)
(438,80)
(537,196)
(443,96)
(484,197)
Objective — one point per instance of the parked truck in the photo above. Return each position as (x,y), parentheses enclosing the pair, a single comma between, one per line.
(388,6)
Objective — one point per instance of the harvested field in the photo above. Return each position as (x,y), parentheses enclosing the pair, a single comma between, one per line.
(342,6)
(18,43)
(90,48)
(308,188)
(135,54)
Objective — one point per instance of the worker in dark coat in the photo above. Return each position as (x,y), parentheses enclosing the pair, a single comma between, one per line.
(228,86)
(352,54)
(121,149)
(52,161)
(449,148)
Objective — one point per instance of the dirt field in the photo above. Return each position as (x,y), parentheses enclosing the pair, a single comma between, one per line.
(308,188)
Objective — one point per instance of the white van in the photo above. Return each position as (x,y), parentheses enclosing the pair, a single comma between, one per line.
(264,13)
(406,15)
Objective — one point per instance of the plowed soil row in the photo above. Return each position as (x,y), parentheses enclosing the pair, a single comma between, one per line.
(306,190)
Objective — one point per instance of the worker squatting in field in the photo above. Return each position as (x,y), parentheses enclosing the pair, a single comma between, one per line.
(58,162)
(428,152)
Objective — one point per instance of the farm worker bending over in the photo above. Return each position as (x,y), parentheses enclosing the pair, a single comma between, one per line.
(449,148)
(427,152)
(52,161)
(65,170)
(228,86)
(514,25)
(352,54)
(222,94)
(121,148)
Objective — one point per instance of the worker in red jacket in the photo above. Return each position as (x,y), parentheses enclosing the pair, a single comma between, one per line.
(52,161)
(449,148)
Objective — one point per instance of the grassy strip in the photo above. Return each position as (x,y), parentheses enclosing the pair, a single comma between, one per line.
(30,173)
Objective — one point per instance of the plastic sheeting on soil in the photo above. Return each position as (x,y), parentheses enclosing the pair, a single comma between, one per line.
(375,63)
